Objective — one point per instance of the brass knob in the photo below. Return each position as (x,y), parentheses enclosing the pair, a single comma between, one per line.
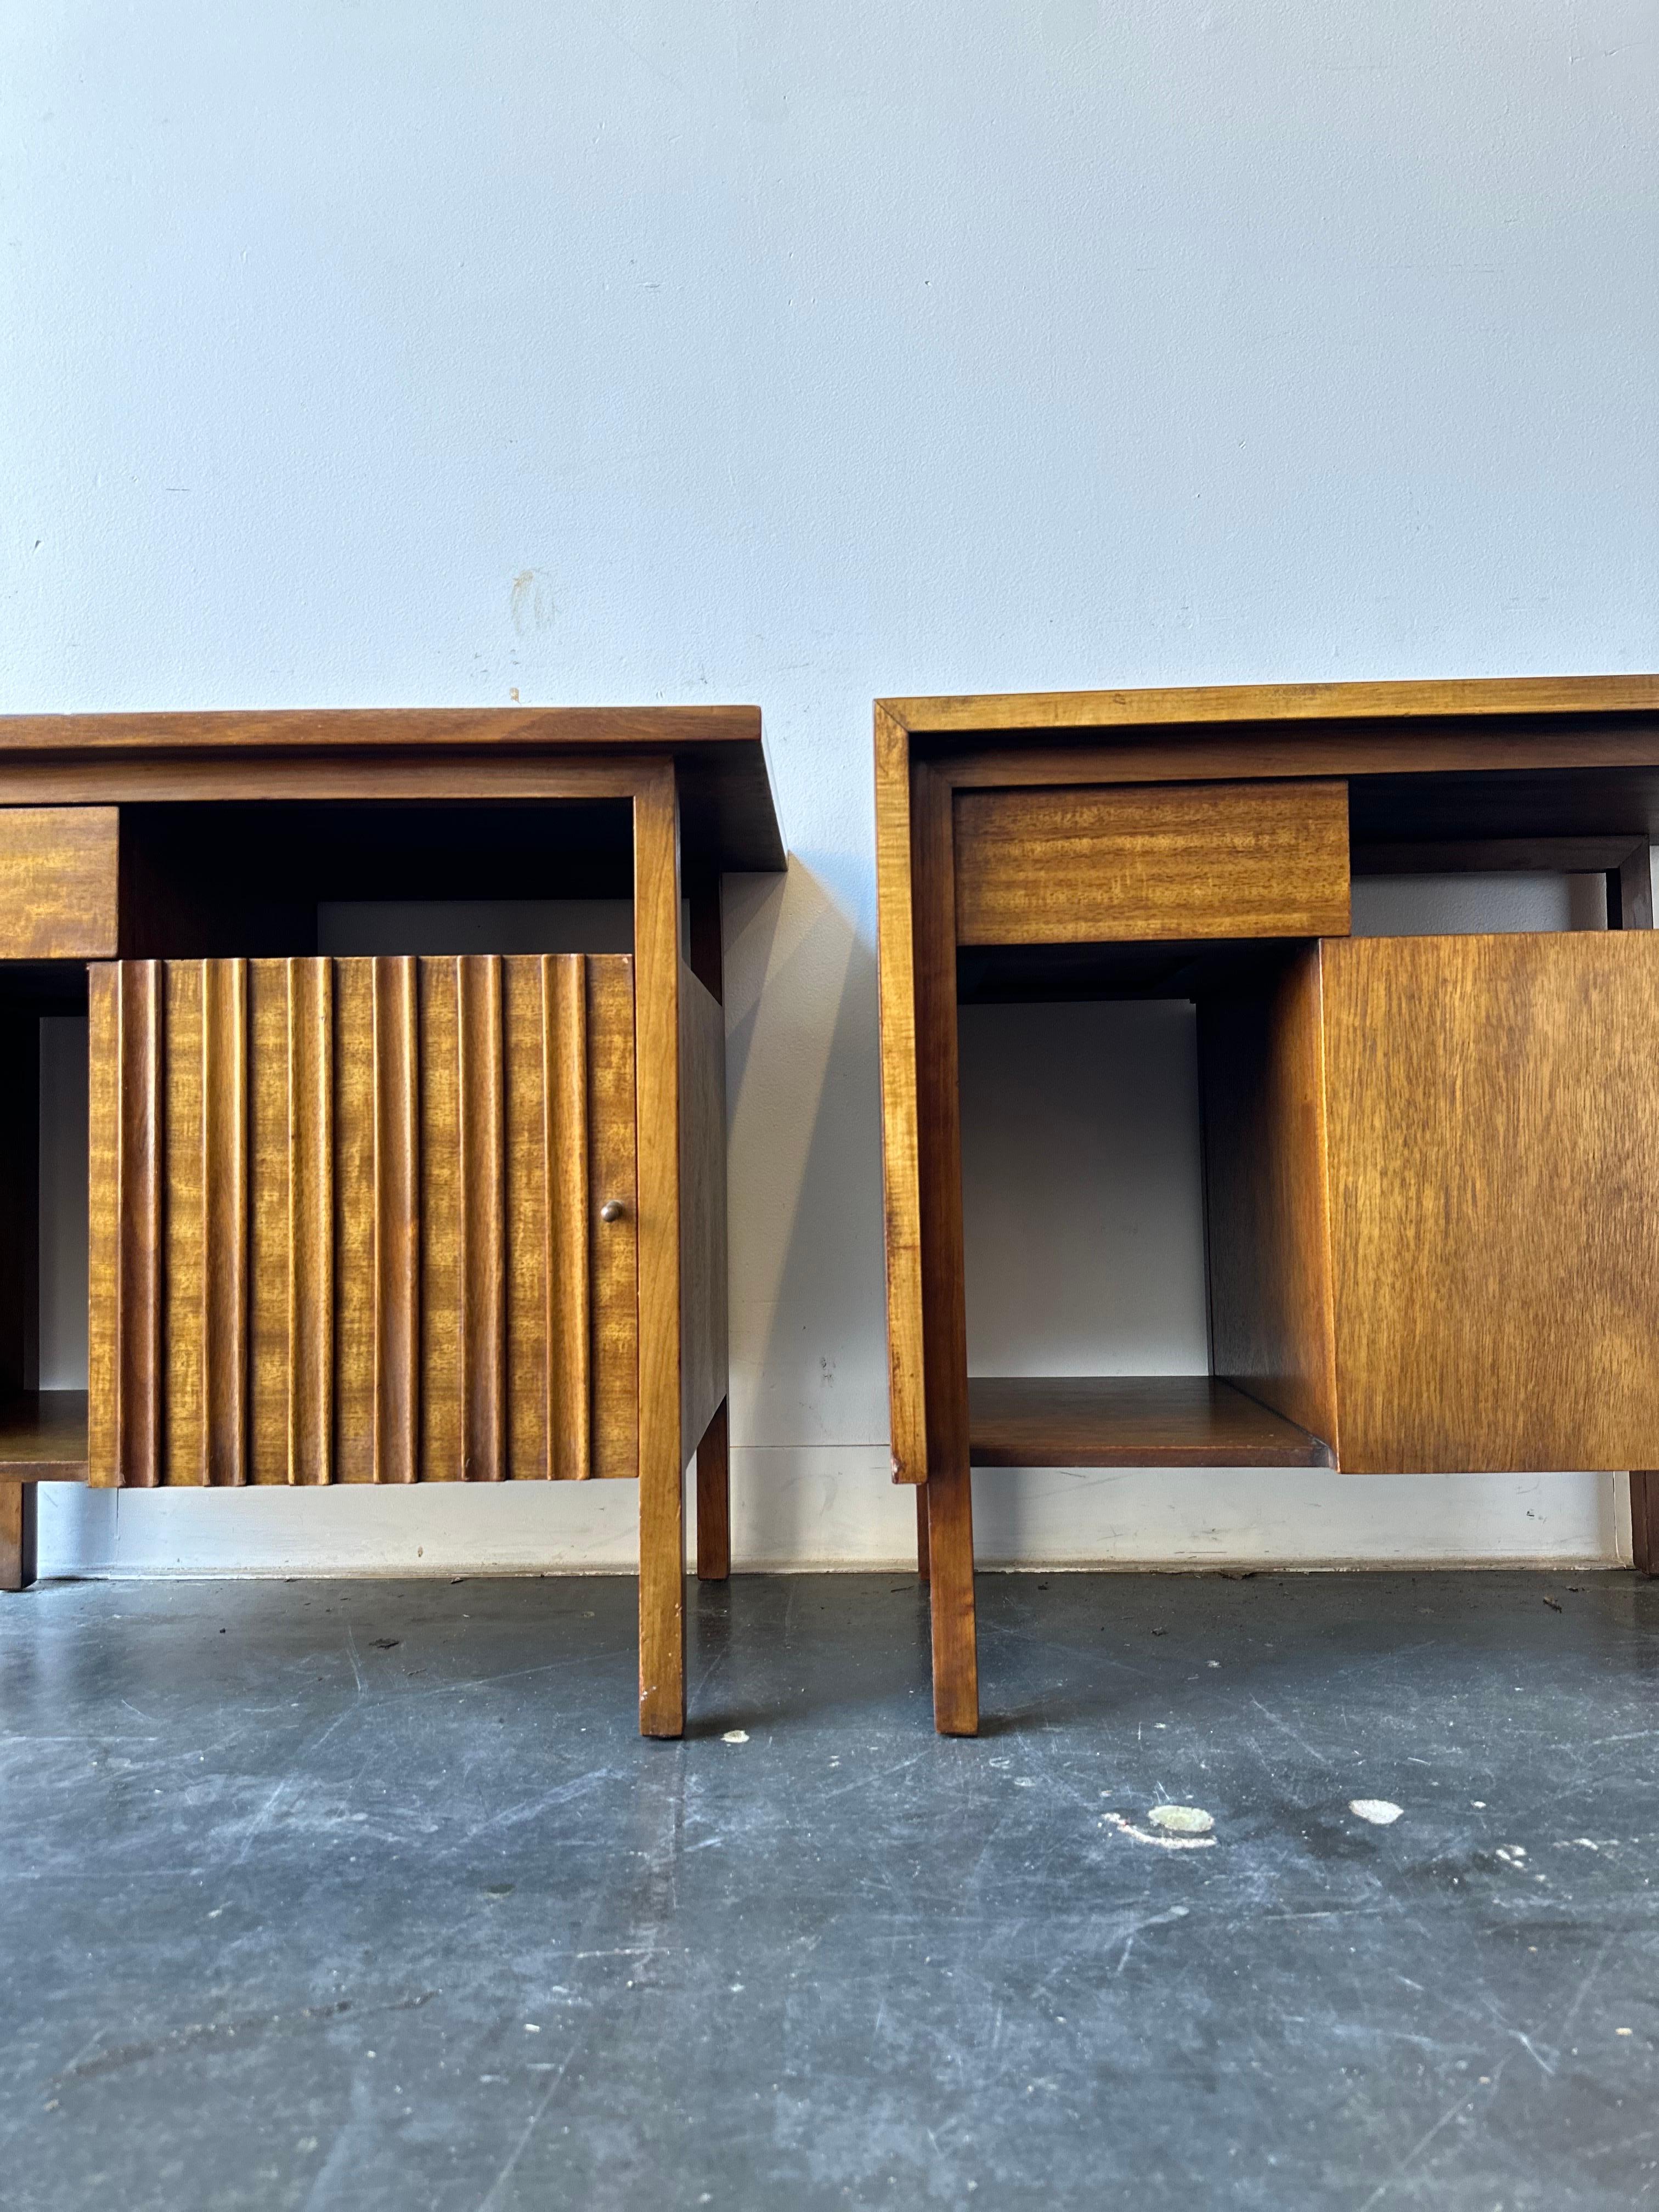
(612,1210)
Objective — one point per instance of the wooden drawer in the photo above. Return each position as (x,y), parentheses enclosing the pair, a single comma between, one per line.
(59,869)
(1099,862)
(346,1221)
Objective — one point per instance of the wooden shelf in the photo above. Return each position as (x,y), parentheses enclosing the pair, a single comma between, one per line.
(43,1436)
(1129,1420)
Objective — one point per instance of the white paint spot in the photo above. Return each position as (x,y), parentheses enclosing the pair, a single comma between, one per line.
(1182,1819)
(1166,1843)
(532,2028)
(1377,1810)
(735,1736)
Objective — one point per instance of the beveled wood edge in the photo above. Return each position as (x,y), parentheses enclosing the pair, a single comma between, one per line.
(1457,697)
(467,729)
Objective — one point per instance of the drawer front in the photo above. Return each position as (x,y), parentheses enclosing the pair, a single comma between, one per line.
(346,1221)
(59,868)
(1493,1131)
(1102,863)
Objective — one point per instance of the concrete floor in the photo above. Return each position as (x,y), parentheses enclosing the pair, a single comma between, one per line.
(366,1894)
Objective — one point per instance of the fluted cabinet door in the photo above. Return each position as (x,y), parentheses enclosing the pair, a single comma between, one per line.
(362,1220)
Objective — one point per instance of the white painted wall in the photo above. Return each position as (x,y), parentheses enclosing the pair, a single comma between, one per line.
(415,353)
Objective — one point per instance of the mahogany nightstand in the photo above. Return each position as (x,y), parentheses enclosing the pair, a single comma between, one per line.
(388,1219)
(1431,1164)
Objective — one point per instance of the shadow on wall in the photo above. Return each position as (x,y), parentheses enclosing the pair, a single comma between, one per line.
(808,1306)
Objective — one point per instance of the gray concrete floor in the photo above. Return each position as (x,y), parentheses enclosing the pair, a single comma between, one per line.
(366,1894)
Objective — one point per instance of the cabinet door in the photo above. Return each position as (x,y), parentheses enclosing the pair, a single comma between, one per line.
(1493,1110)
(348,1220)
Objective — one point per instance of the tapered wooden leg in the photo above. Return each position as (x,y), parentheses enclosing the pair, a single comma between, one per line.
(1644,1519)
(950,1584)
(17,1510)
(922,1564)
(714,1501)
(662,1608)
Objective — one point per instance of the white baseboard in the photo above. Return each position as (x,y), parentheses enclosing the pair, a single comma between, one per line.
(822,1509)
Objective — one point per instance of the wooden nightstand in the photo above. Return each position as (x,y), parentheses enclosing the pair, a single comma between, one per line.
(1431,1164)
(381,1219)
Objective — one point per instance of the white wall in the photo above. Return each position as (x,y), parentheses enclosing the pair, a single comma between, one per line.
(414,353)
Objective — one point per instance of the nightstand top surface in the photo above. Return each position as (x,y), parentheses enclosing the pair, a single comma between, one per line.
(730,820)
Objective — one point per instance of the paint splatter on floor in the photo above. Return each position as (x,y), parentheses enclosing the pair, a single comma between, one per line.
(1168,1833)
(1377,1810)
(1183,1819)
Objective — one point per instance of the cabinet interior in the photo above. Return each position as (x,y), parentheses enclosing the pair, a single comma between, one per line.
(1235,1262)
(265,879)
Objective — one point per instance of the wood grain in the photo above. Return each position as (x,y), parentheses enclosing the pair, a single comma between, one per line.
(1084,864)
(481,1088)
(310,1178)
(1262,1076)
(1481,697)
(1630,905)
(18,1552)
(565,1275)
(714,753)
(1130,1421)
(1414,783)
(397,1221)
(944,1316)
(381,1217)
(124,1003)
(355,1345)
(60,880)
(1473,1084)
(656,1079)
(224,1240)
(900,1152)
(43,1436)
(614,1247)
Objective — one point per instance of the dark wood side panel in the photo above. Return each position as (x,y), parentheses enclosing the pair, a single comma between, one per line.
(703,1210)
(1098,862)
(944,1314)
(1262,1074)
(1494,1184)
